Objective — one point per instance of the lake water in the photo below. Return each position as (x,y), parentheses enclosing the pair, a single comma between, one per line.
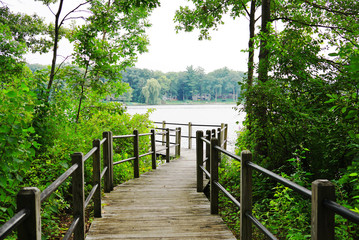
(213,114)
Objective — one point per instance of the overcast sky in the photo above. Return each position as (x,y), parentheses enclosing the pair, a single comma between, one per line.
(168,51)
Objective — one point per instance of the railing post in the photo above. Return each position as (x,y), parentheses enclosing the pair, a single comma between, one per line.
(78,195)
(208,152)
(199,158)
(29,198)
(219,136)
(225,136)
(213,133)
(107,162)
(176,142)
(322,218)
(167,145)
(96,177)
(246,196)
(136,162)
(214,158)
(153,148)
(189,135)
(111,160)
(179,141)
(163,132)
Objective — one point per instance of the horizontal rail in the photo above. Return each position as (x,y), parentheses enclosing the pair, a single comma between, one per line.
(15,221)
(123,136)
(205,140)
(342,211)
(163,129)
(205,125)
(89,197)
(125,160)
(160,141)
(103,171)
(160,133)
(144,134)
(71,229)
(233,199)
(160,150)
(53,186)
(297,188)
(260,226)
(186,124)
(205,171)
(145,154)
(180,124)
(103,141)
(232,155)
(89,154)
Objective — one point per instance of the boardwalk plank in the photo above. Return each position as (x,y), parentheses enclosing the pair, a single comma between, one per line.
(162,204)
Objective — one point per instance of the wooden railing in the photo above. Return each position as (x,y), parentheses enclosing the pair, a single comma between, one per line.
(222,131)
(27,220)
(322,195)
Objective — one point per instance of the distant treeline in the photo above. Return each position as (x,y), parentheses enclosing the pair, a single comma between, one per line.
(154,87)
(193,84)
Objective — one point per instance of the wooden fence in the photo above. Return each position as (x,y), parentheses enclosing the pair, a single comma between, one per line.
(322,194)
(27,220)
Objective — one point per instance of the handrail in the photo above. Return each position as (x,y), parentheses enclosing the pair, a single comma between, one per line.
(76,171)
(342,211)
(297,188)
(222,131)
(71,229)
(54,185)
(89,154)
(325,201)
(13,222)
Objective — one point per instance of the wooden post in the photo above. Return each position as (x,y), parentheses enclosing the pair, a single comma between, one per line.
(322,218)
(213,133)
(199,158)
(219,137)
(96,177)
(107,161)
(153,148)
(214,159)
(163,133)
(179,141)
(208,152)
(246,196)
(136,162)
(167,145)
(111,160)
(225,137)
(78,195)
(29,198)
(222,132)
(189,135)
(176,142)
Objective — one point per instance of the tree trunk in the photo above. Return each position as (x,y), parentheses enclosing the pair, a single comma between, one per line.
(54,53)
(260,108)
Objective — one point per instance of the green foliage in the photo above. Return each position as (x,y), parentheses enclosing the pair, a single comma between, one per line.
(17,146)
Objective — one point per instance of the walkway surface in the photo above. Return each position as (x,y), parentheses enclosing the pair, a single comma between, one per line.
(162,204)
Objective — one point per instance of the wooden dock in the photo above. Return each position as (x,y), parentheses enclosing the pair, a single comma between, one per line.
(162,204)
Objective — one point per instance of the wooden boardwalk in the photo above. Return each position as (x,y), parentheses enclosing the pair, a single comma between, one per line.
(162,204)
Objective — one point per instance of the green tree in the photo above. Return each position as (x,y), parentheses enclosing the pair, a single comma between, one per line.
(151,91)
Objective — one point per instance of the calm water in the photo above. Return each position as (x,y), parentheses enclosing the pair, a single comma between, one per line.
(197,114)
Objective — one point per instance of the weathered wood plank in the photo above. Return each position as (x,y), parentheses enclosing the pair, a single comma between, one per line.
(162,204)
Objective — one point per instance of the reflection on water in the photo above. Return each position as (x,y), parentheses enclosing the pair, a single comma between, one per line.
(196,114)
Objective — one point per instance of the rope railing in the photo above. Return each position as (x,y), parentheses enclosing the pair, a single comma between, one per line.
(322,194)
